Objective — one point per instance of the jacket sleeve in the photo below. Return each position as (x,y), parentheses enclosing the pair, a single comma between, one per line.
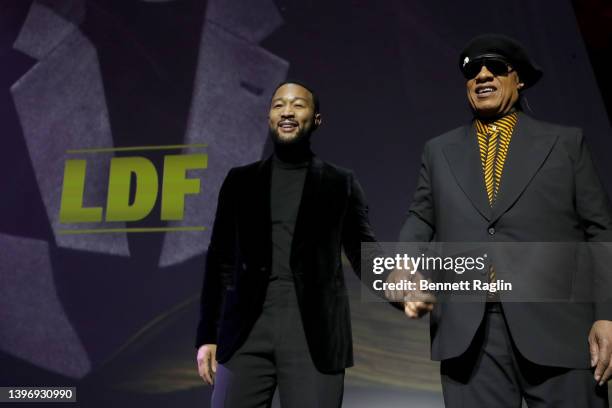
(419,223)
(595,213)
(220,262)
(356,228)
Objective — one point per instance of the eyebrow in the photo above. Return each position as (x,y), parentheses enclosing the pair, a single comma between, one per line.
(294,99)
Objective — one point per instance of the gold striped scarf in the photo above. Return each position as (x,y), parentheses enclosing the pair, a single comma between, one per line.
(493,142)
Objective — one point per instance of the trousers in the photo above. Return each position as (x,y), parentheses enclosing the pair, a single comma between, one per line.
(276,354)
(493,373)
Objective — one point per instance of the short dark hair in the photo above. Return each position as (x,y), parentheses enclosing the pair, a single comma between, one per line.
(315,97)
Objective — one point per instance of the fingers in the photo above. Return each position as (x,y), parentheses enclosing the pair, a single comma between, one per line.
(423,297)
(606,375)
(394,295)
(594,351)
(416,310)
(411,295)
(204,367)
(397,295)
(603,363)
(396,278)
(410,310)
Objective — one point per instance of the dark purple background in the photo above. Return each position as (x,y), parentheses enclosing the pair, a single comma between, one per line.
(386,73)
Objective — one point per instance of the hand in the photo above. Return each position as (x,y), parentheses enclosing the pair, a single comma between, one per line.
(600,346)
(416,303)
(207,363)
(396,277)
(418,309)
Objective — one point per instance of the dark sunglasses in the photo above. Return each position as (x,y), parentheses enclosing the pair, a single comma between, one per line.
(495,66)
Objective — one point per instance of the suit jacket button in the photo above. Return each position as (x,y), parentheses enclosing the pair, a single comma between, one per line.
(491,231)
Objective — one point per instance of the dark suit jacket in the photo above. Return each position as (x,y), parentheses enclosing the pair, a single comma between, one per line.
(549,192)
(332,214)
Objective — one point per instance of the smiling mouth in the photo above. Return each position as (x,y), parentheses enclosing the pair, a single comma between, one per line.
(287,126)
(484,91)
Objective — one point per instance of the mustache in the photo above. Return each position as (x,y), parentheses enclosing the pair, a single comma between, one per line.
(302,133)
(292,122)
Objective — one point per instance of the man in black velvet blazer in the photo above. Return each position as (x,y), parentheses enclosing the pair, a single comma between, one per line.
(537,184)
(275,309)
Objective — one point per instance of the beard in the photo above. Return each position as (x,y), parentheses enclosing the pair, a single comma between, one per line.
(302,135)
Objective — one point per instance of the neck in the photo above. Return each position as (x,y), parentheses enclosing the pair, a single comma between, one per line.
(493,118)
(293,153)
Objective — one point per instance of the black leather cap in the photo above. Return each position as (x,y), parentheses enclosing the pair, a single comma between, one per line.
(501,46)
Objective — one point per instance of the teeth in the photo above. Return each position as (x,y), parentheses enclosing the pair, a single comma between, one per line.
(483,90)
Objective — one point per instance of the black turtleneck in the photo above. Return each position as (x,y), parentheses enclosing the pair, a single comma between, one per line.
(289,167)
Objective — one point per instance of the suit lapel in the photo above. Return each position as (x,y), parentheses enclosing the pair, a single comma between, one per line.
(464,161)
(528,150)
(307,209)
(261,193)
(258,193)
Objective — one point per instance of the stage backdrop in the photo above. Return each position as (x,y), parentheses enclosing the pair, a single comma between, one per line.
(113,310)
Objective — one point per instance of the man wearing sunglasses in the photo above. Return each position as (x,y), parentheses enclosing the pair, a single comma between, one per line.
(508,177)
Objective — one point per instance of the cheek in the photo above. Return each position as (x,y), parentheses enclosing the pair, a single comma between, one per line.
(510,92)
(510,87)
(306,120)
(273,116)
(272,122)
(472,98)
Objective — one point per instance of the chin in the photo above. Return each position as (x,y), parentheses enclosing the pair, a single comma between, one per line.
(487,110)
(290,139)
(284,140)
(287,141)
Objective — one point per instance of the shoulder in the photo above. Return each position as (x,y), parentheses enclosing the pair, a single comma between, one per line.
(339,181)
(332,171)
(541,126)
(335,169)
(569,138)
(243,173)
(450,137)
(435,145)
(247,168)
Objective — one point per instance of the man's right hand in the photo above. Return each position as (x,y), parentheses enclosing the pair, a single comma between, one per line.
(207,363)
(396,277)
(416,303)
(418,309)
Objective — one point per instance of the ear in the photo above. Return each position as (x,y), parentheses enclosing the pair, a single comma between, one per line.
(318,120)
(519,84)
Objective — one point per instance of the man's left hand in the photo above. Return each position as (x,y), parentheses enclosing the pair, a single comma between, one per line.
(600,346)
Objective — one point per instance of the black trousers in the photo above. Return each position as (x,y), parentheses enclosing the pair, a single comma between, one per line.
(276,353)
(493,374)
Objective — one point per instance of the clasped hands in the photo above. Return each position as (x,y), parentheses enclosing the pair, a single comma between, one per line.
(416,302)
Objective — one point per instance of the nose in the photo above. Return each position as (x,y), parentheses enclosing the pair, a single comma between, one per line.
(287,112)
(484,74)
